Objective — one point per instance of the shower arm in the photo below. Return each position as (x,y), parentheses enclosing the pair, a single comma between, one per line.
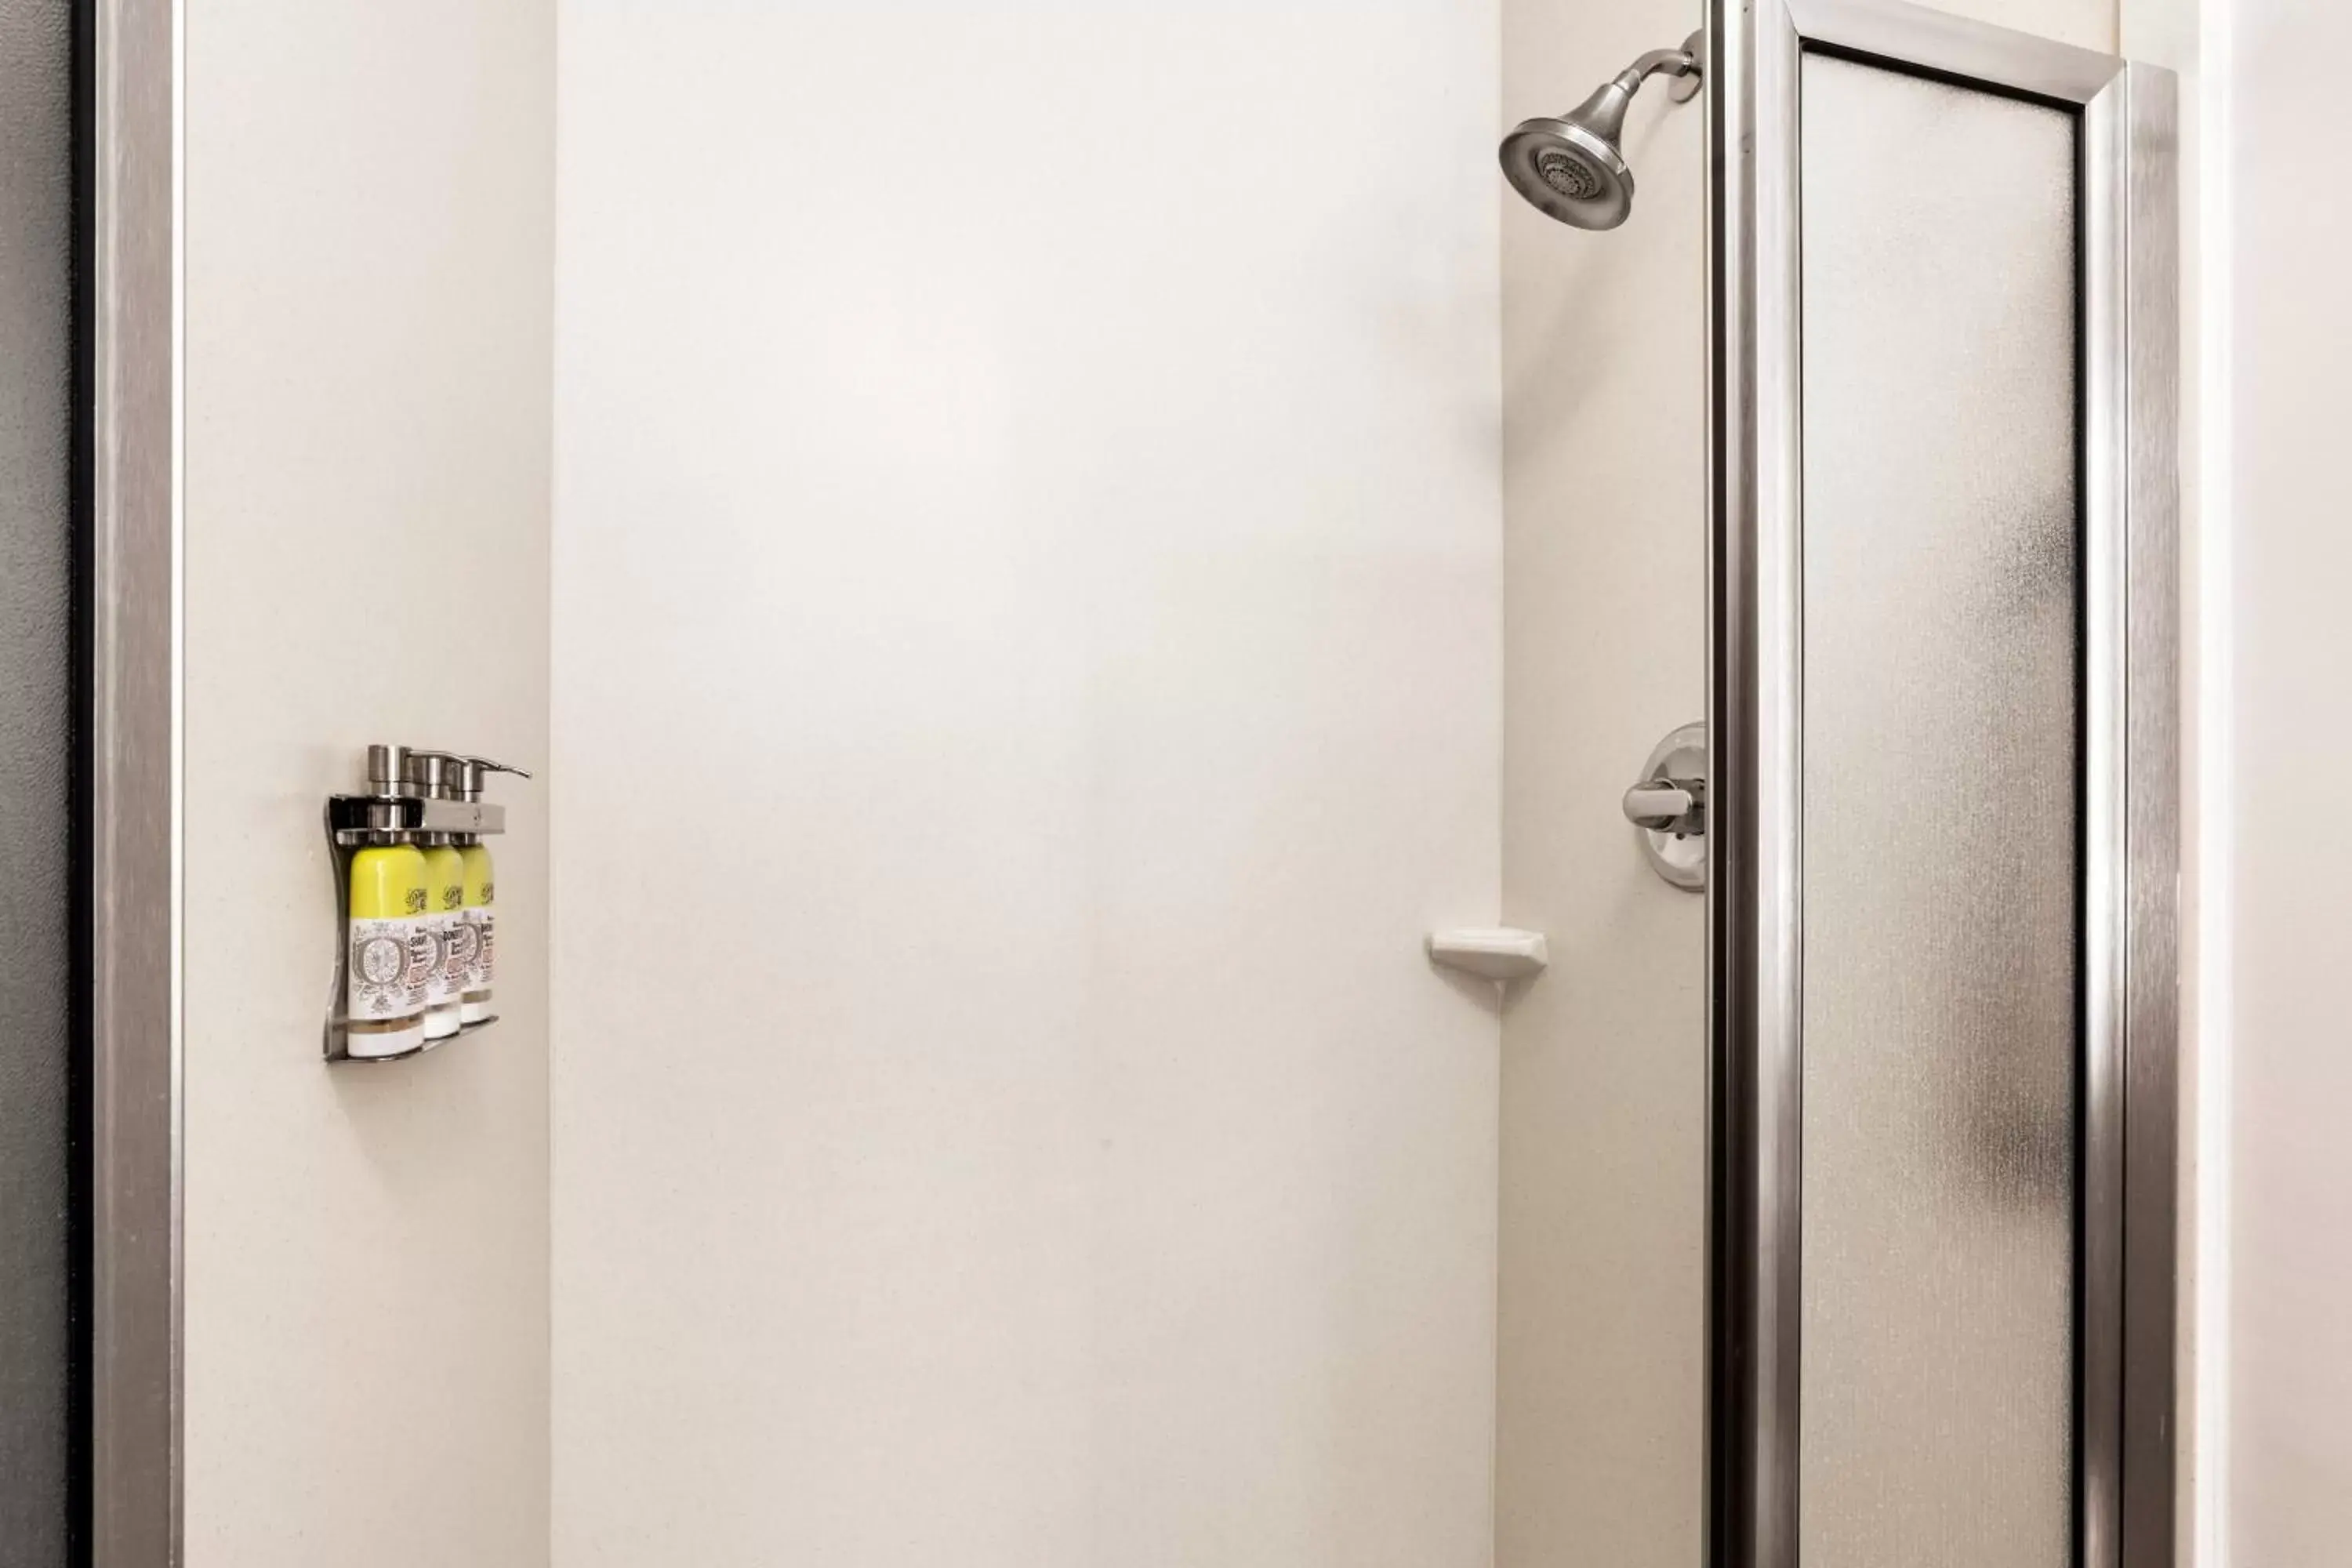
(1672,62)
(1682,64)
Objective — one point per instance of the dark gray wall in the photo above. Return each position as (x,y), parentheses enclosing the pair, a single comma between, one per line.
(36,709)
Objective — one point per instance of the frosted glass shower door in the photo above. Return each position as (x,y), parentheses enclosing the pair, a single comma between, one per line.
(1941,864)
(1939,816)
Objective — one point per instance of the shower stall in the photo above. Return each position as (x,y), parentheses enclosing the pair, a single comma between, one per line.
(1204,863)
(1937,786)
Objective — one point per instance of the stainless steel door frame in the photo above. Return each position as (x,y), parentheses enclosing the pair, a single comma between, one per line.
(2126,1277)
(134,248)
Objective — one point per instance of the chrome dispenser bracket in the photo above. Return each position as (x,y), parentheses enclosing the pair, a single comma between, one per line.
(1668,806)
(356,819)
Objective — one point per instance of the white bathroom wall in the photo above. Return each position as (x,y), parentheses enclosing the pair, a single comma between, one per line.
(1603,1095)
(1028,640)
(2287,1377)
(1603,1090)
(369,253)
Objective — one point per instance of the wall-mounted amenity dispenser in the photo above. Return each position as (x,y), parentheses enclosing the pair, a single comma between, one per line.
(413,893)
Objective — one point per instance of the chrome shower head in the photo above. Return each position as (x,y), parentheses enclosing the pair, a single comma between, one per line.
(1570,169)
(1573,168)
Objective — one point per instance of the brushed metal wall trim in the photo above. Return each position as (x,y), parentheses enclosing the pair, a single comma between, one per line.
(135,1369)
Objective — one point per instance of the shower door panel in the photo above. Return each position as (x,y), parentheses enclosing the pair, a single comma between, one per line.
(1941,867)
(1939,817)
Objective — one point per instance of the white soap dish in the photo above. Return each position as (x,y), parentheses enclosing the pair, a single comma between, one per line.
(1492,952)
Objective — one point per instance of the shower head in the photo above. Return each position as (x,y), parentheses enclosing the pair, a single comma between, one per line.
(1573,168)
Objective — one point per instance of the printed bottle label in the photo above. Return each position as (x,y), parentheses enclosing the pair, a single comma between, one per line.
(485,967)
(424,960)
(465,948)
(379,986)
(440,986)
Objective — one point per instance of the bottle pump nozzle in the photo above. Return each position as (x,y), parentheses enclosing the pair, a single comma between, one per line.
(387,770)
(428,774)
(472,772)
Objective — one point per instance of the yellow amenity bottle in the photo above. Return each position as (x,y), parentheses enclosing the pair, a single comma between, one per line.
(481,894)
(444,900)
(390,952)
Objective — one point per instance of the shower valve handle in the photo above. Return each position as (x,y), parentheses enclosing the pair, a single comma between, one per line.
(1668,805)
